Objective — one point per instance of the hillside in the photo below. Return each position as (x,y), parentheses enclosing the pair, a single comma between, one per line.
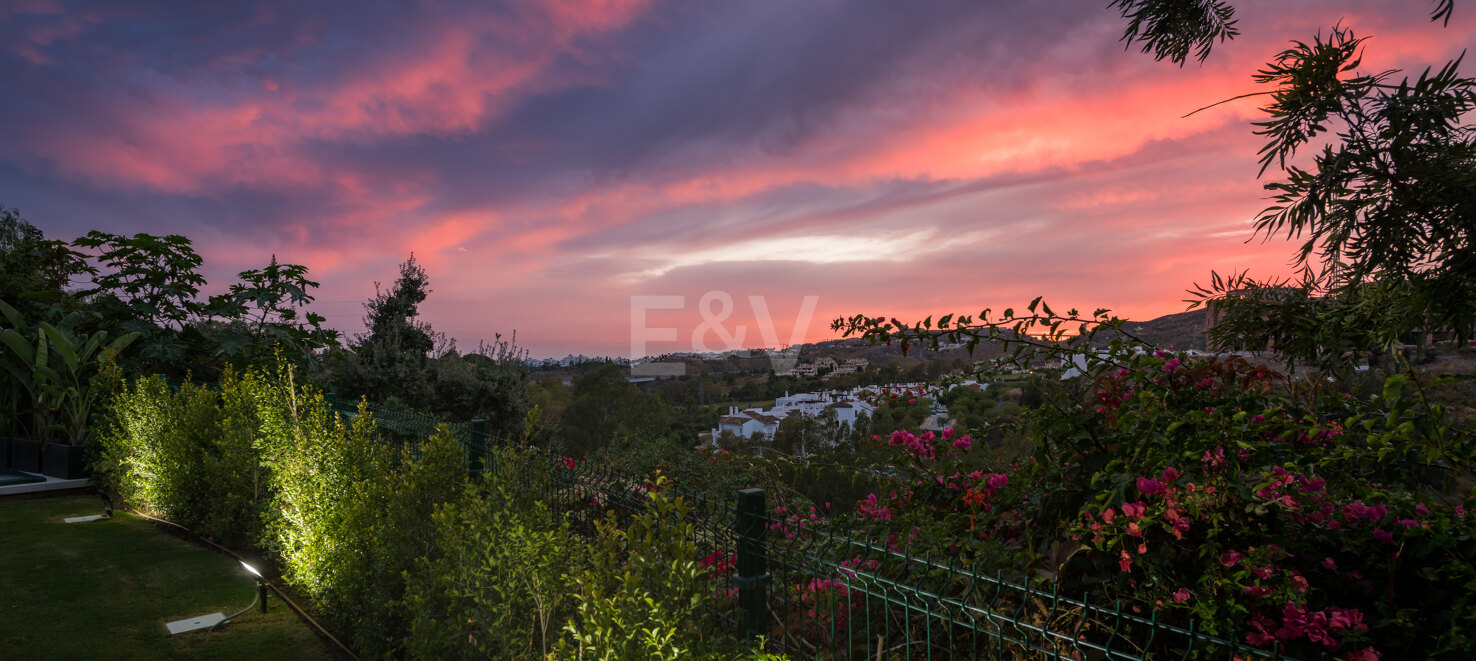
(1184,330)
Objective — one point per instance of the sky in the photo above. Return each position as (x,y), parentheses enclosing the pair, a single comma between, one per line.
(621,175)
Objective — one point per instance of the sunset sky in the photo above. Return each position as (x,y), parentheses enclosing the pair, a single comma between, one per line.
(546,161)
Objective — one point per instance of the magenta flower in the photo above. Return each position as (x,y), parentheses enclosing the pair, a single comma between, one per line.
(1150,486)
(1383,536)
(947,433)
(1181,596)
(1330,564)
(1341,619)
(998,480)
(1421,510)
(1357,510)
(1169,475)
(963,442)
(1231,558)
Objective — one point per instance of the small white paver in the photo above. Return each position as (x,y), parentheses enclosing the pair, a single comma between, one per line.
(85,519)
(195,623)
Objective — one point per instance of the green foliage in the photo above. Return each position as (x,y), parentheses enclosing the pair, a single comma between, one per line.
(34,271)
(391,357)
(1222,491)
(1171,28)
(56,369)
(501,584)
(400,358)
(644,595)
(1386,209)
(155,277)
(351,518)
(262,317)
(155,453)
(603,404)
(188,455)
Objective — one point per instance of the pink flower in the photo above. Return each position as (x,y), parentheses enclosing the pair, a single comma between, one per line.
(1169,475)
(963,442)
(1330,564)
(998,480)
(1357,510)
(1181,596)
(1383,536)
(1299,583)
(1341,619)
(1171,365)
(1150,486)
(1365,654)
(1231,558)
(947,433)
(1134,511)
(1421,510)
(1108,515)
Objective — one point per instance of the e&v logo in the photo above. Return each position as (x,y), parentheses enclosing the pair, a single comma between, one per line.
(715,308)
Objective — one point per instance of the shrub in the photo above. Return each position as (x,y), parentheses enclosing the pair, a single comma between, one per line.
(187,455)
(1220,490)
(501,583)
(644,594)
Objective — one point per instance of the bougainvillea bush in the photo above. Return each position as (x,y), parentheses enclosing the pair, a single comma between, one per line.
(1274,510)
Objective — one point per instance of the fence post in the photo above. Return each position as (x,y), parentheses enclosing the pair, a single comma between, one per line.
(477,448)
(753,564)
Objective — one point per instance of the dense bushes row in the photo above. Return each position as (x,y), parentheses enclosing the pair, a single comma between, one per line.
(392,543)
(1278,511)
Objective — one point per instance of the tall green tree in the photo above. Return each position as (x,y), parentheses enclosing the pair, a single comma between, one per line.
(391,358)
(150,285)
(34,271)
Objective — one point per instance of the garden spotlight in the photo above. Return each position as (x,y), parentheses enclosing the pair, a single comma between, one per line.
(214,620)
(260,597)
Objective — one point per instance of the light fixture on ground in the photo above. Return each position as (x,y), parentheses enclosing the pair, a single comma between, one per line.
(107,511)
(214,620)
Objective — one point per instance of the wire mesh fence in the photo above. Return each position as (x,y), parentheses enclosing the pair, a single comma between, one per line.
(839,596)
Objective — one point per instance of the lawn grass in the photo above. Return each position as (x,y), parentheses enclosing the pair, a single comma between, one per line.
(104,591)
